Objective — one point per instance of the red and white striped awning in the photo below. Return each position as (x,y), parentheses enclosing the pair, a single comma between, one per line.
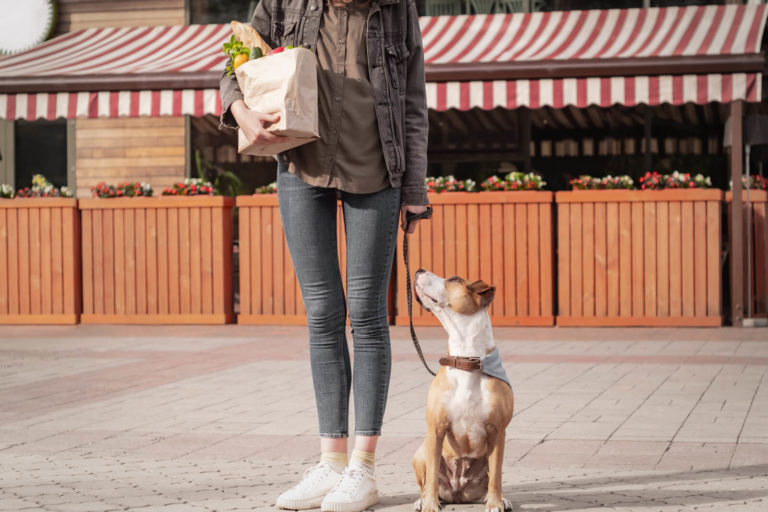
(653,40)
(582,92)
(118,72)
(605,34)
(651,56)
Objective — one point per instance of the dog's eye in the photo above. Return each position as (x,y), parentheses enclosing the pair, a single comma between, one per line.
(454,278)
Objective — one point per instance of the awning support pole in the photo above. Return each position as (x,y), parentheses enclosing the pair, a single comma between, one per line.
(737,228)
(748,231)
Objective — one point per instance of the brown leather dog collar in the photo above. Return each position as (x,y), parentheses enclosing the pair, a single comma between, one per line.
(462,363)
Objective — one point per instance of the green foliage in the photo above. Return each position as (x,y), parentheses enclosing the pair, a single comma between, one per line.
(232,49)
(225,183)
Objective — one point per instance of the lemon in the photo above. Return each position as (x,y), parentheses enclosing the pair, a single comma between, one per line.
(240,59)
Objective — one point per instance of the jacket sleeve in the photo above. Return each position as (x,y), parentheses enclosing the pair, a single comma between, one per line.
(414,189)
(229,90)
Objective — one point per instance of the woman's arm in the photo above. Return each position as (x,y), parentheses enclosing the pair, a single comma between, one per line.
(229,90)
(416,120)
(414,189)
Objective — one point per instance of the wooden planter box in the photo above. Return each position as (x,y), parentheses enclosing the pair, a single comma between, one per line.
(39,261)
(269,289)
(157,260)
(633,257)
(759,249)
(503,238)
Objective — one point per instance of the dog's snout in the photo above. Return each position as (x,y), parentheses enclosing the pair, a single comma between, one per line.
(420,271)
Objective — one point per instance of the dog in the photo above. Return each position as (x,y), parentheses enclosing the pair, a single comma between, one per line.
(467,410)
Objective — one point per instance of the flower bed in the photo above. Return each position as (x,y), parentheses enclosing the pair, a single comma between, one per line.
(639,257)
(157,260)
(758,254)
(126,189)
(656,181)
(504,238)
(609,182)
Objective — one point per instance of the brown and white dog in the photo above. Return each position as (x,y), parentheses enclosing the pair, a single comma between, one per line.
(467,411)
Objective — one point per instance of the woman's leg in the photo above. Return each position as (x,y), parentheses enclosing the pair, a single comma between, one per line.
(371,223)
(309,221)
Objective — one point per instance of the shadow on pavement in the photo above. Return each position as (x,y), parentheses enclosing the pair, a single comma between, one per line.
(650,489)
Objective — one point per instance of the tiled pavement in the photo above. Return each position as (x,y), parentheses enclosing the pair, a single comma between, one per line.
(97,418)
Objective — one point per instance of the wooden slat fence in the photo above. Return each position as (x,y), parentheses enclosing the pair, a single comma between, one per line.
(758,251)
(632,257)
(161,260)
(39,261)
(503,238)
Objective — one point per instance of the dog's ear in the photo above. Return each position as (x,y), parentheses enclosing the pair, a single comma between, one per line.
(484,291)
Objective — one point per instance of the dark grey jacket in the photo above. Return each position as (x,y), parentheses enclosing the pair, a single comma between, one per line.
(396,70)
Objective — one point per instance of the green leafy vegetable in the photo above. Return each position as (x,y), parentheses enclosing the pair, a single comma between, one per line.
(232,49)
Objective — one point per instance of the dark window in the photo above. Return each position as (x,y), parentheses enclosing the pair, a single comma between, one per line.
(40,148)
(220,11)
(672,3)
(572,5)
(215,152)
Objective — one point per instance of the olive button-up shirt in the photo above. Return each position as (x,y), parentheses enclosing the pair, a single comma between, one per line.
(348,156)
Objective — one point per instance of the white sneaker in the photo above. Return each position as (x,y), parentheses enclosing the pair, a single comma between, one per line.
(309,493)
(356,491)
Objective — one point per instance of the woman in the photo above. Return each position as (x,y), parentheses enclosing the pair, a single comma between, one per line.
(372,155)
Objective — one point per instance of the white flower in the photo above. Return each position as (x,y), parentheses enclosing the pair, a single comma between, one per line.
(6,191)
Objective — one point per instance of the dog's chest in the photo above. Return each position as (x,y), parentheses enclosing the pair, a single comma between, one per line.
(468,407)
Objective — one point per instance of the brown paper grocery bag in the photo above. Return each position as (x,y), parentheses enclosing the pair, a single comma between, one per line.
(286,84)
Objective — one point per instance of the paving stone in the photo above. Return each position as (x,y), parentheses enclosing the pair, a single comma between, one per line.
(222,418)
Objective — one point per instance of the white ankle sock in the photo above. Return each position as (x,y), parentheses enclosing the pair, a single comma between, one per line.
(363,459)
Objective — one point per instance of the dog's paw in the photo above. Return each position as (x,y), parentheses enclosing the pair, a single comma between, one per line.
(426,506)
(496,505)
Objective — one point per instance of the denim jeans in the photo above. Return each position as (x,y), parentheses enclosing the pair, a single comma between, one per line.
(370,221)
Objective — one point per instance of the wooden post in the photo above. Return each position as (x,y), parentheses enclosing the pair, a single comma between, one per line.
(736,228)
(7,165)
(72,155)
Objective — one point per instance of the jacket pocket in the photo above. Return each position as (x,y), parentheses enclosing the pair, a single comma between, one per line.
(395,56)
(284,32)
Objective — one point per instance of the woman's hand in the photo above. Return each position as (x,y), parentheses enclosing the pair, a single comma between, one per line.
(254,124)
(414,209)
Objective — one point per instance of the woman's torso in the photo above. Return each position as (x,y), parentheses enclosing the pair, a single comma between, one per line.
(348,155)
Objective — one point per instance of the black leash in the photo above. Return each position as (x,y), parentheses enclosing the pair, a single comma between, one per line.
(410,216)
